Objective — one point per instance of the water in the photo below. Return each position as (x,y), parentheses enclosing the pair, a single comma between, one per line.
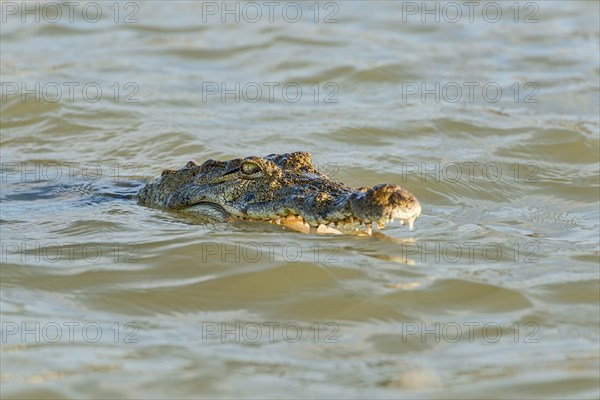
(494,294)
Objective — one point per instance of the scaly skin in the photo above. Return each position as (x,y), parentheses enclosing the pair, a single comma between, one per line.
(280,188)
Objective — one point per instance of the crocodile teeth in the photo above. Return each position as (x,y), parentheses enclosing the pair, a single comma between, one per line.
(381,225)
(401,222)
(278,221)
(369,227)
(411,223)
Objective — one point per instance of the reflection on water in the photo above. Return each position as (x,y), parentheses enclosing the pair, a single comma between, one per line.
(490,119)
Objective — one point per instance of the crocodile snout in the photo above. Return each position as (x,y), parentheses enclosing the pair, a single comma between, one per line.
(384,203)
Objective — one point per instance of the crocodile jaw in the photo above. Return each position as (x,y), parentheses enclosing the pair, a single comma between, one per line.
(381,204)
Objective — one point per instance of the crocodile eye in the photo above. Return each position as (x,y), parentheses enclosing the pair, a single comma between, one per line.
(249,168)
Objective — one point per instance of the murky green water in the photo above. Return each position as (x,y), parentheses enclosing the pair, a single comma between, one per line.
(490,119)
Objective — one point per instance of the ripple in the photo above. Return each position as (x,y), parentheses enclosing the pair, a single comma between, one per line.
(455,295)
(214,53)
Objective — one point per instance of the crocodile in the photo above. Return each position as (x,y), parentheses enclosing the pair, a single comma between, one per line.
(284,189)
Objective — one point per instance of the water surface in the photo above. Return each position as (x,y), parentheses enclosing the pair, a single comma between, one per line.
(494,294)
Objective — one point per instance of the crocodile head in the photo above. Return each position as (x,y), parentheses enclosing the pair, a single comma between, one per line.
(279,188)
